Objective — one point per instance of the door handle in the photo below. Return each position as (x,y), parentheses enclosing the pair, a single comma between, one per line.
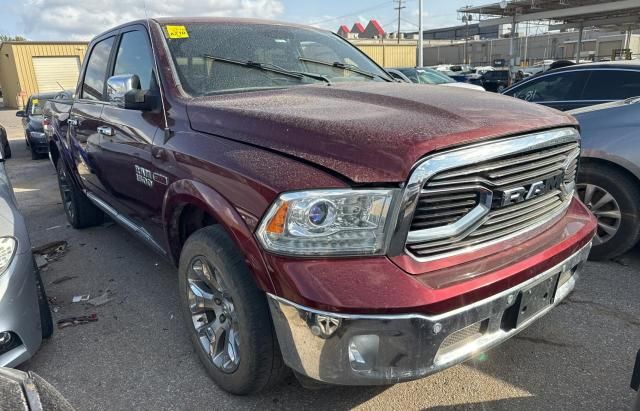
(105,131)
(72,122)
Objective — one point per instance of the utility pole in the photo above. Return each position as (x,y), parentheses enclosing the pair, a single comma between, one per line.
(420,36)
(399,8)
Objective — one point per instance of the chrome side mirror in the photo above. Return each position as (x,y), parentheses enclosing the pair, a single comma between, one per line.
(118,86)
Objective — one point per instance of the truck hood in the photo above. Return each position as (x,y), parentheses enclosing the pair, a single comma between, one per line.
(367,132)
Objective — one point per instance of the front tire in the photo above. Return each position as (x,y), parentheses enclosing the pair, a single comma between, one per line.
(227,315)
(614,199)
(81,213)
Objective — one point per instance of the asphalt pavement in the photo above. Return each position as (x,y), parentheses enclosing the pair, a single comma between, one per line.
(138,355)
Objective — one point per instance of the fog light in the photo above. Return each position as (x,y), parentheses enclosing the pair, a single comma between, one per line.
(5,338)
(363,351)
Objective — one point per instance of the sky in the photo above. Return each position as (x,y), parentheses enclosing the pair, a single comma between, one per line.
(82,19)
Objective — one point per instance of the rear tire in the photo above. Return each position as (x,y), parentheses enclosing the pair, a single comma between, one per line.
(81,213)
(213,274)
(618,215)
(46,321)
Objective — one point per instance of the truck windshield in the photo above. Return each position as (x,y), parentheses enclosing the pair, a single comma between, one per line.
(263,56)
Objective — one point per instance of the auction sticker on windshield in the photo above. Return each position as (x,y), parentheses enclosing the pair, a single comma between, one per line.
(177,32)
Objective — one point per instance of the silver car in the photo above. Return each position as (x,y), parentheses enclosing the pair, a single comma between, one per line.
(609,174)
(24,309)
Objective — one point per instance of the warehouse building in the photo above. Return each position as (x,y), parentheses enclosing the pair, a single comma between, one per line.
(30,67)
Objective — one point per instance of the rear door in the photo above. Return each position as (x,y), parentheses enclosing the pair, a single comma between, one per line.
(607,85)
(84,118)
(125,150)
(562,90)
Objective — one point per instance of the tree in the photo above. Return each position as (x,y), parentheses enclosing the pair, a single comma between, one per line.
(4,37)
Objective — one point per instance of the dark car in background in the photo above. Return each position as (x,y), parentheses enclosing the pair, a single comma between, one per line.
(609,175)
(5,149)
(32,121)
(496,80)
(581,85)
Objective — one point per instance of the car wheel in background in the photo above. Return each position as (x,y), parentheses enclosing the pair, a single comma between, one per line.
(501,88)
(227,315)
(81,213)
(614,199)
(46,322)
(7,151)
(34,154)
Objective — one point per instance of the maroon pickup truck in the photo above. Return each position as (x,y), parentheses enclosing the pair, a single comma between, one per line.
(323,218)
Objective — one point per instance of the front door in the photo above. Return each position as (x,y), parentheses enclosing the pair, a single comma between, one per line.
(126,141)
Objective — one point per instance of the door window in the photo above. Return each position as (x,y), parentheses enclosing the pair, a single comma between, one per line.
(94,77)
(555,87)
(612,85)
(134,57)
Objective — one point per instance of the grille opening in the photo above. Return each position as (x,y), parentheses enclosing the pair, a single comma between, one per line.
(463,336)
(449,195)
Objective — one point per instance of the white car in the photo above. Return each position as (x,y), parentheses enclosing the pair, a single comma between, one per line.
(423,75)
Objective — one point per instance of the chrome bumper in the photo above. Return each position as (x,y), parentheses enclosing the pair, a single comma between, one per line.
(382,349)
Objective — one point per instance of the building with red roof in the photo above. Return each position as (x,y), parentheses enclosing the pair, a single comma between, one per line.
(357,28)
(343,31)
(373,30)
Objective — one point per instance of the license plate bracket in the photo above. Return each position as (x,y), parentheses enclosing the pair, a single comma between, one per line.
(536,298)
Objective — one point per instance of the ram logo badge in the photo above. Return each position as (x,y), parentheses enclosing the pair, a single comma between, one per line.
(519,194)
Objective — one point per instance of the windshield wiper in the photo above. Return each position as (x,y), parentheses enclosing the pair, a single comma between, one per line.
(270,67)
(345,66)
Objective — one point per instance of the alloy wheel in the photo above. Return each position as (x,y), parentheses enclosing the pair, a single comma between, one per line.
(65,190)
(604,207)
(213,315)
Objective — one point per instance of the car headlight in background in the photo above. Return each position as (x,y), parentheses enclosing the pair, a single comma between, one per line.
(328,222)
(7,251)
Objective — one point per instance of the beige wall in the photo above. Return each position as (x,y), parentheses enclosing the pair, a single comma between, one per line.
(16,66)
(391,55)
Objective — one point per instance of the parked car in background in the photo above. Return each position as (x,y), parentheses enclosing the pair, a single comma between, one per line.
(425,75)
(24,309)
(321,216)
(609,176)
(580,85)
(4,143)
(496,80)
(32,122)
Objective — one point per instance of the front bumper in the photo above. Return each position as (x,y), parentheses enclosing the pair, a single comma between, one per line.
(19,311)
(38,142)
(360,349)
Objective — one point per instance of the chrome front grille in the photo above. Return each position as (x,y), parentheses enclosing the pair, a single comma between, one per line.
(441,222)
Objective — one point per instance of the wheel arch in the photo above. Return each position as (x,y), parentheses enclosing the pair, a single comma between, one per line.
(610,164)
(189,205)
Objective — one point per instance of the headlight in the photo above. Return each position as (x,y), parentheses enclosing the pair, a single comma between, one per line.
(7,250)
(328,222)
